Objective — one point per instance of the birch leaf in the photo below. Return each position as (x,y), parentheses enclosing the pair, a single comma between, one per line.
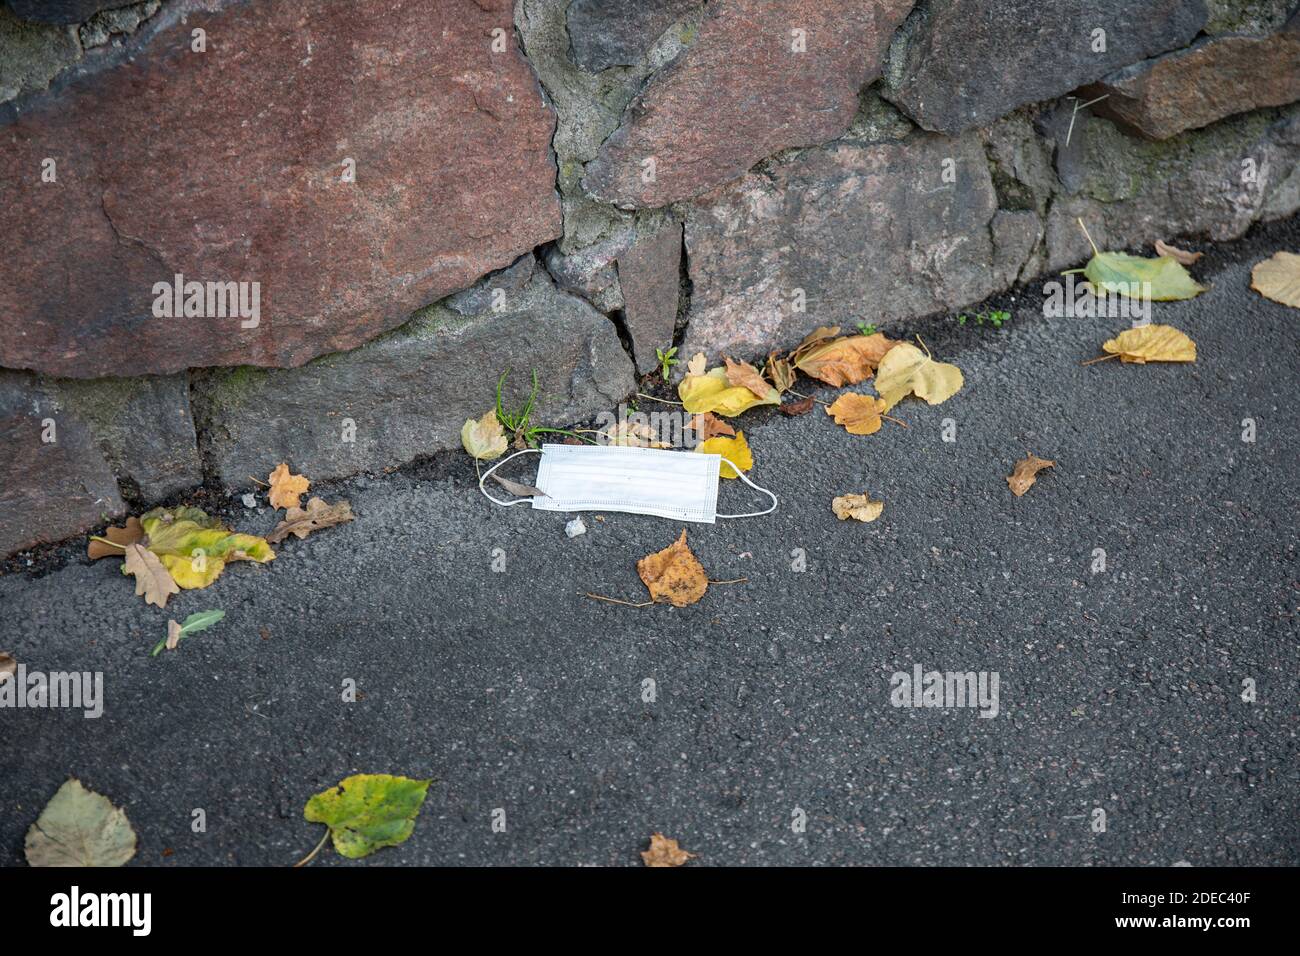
(1152,343)
(79,827)
(859,414)
(368,811)
(484,438)
(712,392)
(906,370)
(1125,275)
(674,574)
(1278,279)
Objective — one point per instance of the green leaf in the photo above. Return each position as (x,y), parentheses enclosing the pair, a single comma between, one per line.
(201,619)
(195,548)
(1122,274)
(368,811)
(78,827)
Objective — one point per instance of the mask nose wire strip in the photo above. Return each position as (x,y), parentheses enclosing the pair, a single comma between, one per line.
(752,514)
(484,477)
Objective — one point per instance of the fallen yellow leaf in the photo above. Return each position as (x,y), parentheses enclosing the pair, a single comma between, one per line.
(859,414)
(1026,472)
(665,852)
(1152,343)
(735,450)
(286,489)
(845,361)
(905,370)
(674,573)
(858,507)
(711,392)
(1278,279)
(484,438)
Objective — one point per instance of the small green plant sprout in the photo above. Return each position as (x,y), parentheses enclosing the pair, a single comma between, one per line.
(519,424)
(666,360)
(866,328)
(995,318)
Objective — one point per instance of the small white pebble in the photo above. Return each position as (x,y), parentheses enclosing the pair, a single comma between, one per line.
(575,528)
(249,501)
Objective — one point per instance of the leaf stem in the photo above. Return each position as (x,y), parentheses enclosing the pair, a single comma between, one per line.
(815,399)
(601,597)
(1101,358)
(114,544)
(653,399)
(891,418)
(312,855)
(1088,236)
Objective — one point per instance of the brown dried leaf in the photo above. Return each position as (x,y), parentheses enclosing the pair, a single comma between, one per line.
(630,434)
(801,407)
(1182,256)
(8,666)
(744,375)
(1025,473)
(674,573)
(1278,278)
(858,507)
(286,489)
(303,521)
(665,852)
(698,364)
(129,533)
(859,414)
(519,488)
(845,361)
(815,337)
(151,579)
(173,635)
(780,372)
(707,425)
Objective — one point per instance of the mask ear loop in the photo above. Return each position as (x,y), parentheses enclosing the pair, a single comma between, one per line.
(484,477)
(752,514)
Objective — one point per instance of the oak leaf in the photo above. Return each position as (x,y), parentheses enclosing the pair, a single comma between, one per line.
(734,450)
(79,827)
(1152,343)
(697,365)
(301,522)
(484,438)
(905,370)
(286,489)
(152,579)
(859,414)
(674,573)
(744,375)
(129,533)
(857,507)
(845,361)
(1278,278)
(1025,473)
(665,852)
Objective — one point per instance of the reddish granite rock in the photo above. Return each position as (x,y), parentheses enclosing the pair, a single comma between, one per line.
(225,166)
(1217,77)
(740,94)
(649,274)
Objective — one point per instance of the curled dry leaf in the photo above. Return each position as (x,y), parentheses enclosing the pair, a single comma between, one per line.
(8,666)
(483,437)
(845,361)
(1026,472)
(301,522)
(630,434)
(906,370)
(711,392)
(697,365)
(1278,278)
(734,450)
(151,579)
(519,488)
(857,507)
(173,635)
(665,852)
(129,533)
(1181,256)
(286,489)
(195,548)
(744,375)
(706,425)
(674,574)
(1152,343)
(780,372)
(79,827)
(859,414)
(801,407)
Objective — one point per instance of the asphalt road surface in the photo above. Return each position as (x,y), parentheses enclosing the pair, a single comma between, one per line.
(1120,690)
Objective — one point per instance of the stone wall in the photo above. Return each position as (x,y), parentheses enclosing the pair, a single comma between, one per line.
(429,192)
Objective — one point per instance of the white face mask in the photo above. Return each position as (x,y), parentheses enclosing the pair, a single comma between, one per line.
(646,481)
